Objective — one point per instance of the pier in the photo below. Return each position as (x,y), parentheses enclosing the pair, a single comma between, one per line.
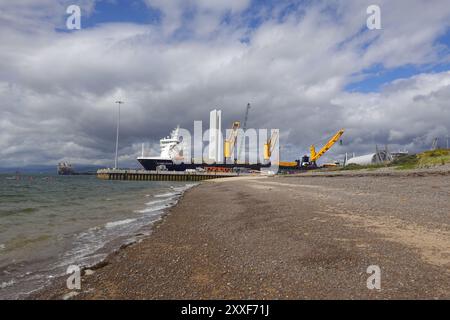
(143,175)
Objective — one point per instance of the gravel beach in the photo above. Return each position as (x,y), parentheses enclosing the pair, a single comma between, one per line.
(307,237)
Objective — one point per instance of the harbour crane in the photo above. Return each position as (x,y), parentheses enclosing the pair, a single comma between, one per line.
(230,142)
(270,145)
(242,142)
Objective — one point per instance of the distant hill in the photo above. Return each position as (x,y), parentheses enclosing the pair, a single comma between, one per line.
(46,169)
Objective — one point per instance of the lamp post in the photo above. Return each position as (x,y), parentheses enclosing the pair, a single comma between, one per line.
(117,135)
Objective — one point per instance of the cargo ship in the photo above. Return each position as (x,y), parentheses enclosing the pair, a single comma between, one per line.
(171,159)
(65,169)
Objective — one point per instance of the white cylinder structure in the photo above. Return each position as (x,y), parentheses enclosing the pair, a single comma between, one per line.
(215,136)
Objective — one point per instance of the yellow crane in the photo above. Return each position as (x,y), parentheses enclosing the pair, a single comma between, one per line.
(306,162)
(316,155)
(270,145)
(268,150)
(230,142)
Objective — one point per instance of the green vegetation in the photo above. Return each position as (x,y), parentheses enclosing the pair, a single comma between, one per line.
(433,158)
(405,162)
(425,159)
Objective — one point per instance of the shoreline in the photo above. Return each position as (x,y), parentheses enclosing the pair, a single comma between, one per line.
(57,286)
(100,256)
(283,238)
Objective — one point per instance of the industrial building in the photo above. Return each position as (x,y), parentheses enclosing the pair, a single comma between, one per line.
(378,157)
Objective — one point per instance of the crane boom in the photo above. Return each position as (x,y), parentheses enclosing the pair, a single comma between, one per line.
(242,142)
(316,155)
(230,143)
(270,145)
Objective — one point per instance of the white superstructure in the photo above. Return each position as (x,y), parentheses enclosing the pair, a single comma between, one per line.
(169,146)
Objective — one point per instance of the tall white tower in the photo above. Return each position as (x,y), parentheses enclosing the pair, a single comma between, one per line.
(215,136)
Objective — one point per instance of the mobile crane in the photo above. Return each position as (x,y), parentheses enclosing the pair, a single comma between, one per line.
(310,162)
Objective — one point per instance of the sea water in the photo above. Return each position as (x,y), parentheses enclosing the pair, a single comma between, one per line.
(50,222)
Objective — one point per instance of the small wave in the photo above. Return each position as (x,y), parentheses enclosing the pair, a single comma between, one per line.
(85,245)
(17,211)
(7,284)
(184,188)
(113,224)
(2,246)
(153,209)
(157,201)
(167,195)
(169,199)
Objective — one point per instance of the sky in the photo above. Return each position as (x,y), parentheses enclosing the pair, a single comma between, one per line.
(308,68)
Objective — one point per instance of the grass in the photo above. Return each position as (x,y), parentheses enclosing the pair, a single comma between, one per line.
(425,159)
(405,162)
(433,158)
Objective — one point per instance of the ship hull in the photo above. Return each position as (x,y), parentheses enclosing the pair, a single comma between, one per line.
(153,164)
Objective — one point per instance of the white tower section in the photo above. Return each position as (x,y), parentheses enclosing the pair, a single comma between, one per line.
(215,136)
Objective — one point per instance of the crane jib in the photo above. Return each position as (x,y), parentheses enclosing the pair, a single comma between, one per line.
(315,156)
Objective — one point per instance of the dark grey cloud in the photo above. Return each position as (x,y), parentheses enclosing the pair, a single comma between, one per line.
(57,90)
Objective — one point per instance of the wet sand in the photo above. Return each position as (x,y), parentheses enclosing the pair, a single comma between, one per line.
(288,238)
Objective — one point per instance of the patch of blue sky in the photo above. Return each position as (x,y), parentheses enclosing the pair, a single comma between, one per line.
(131,11)
(374,78)
(117,11)
(261,11)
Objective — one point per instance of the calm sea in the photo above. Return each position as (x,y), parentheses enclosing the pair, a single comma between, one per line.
(50,222)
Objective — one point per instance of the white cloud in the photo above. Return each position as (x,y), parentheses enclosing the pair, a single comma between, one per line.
(198,16)
(58,89)
(410,112)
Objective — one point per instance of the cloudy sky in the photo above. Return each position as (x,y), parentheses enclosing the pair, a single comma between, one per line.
(308,68)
